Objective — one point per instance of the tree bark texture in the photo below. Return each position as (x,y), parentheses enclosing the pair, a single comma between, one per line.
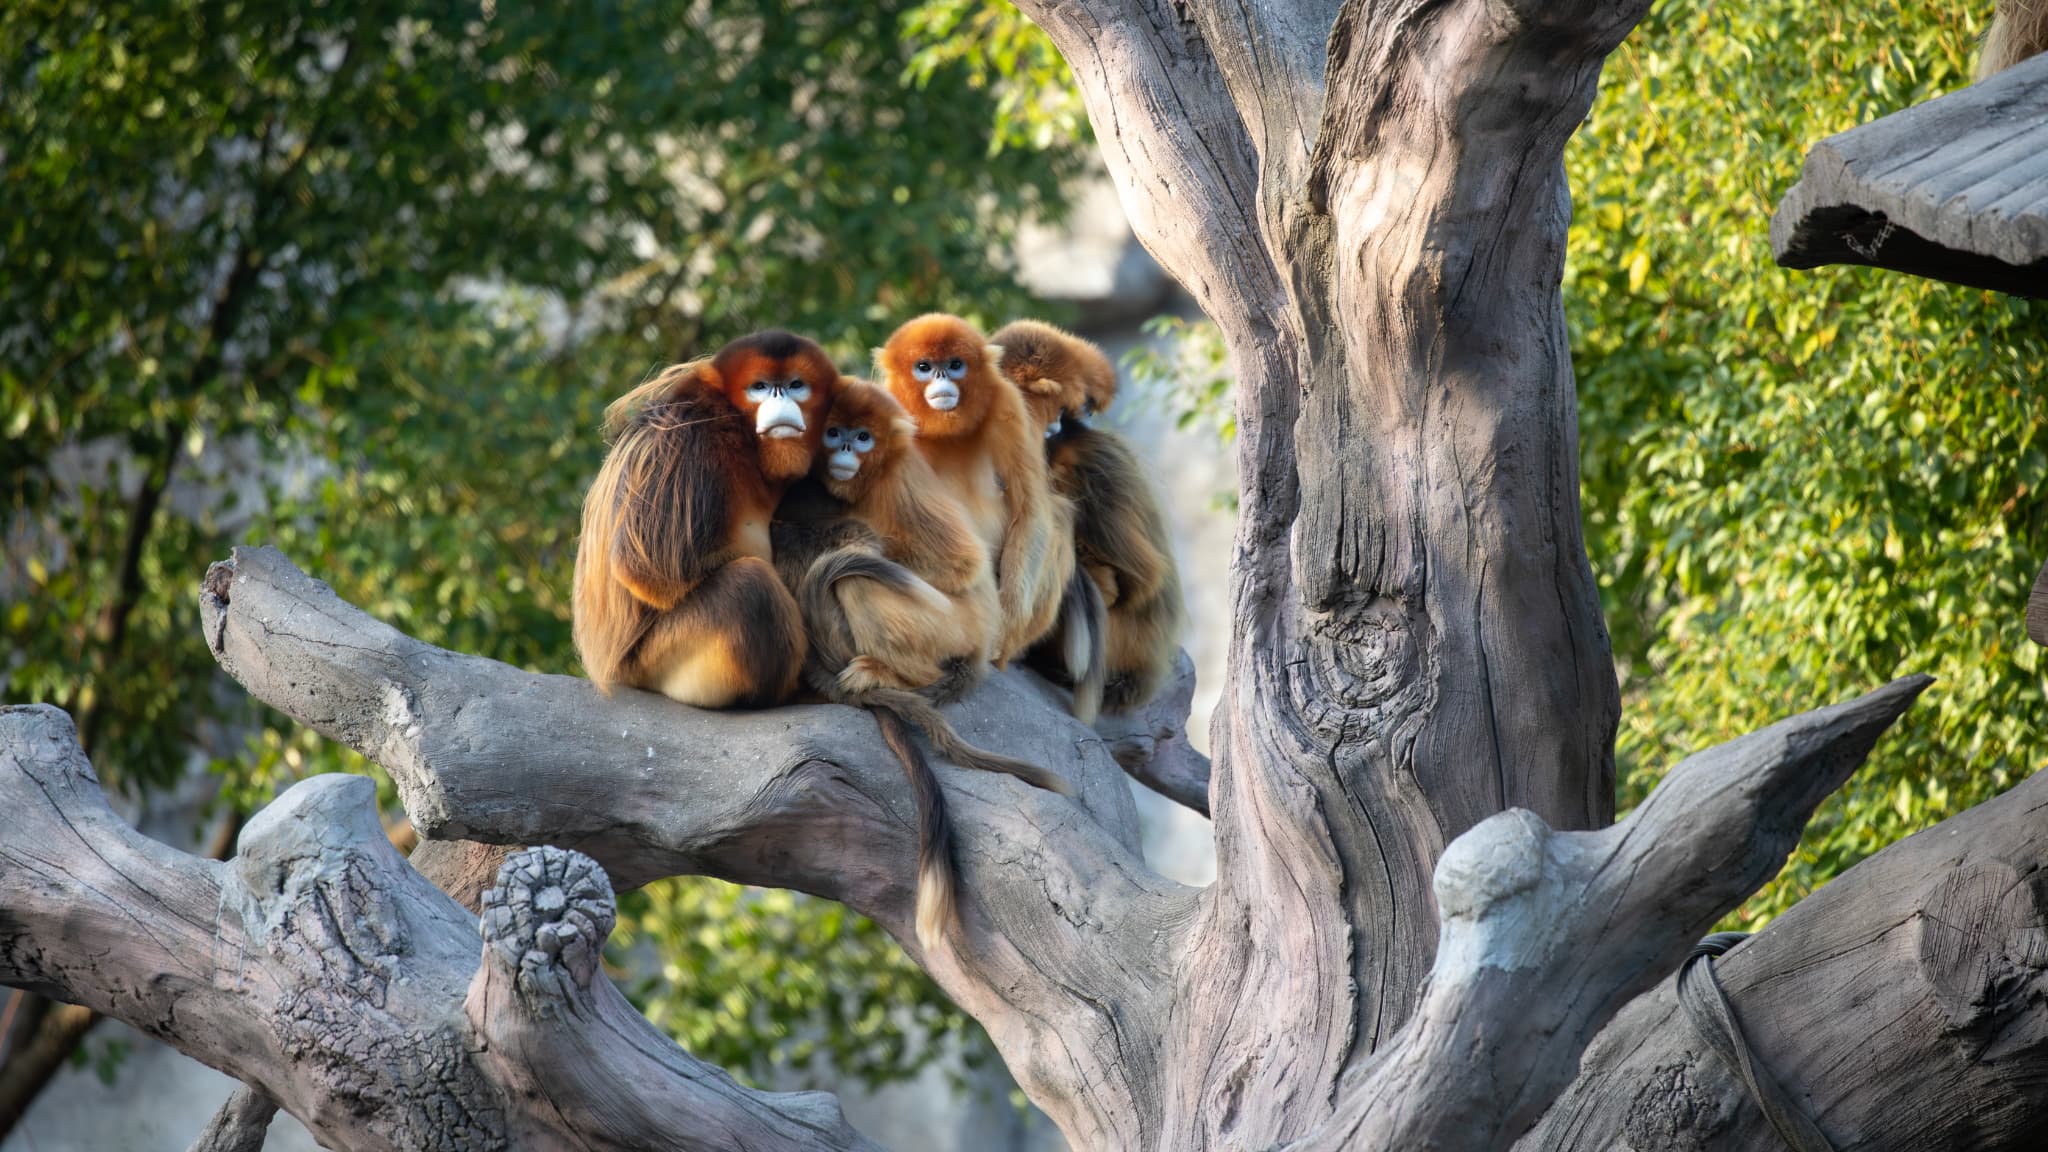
(321,970)
(1423,913)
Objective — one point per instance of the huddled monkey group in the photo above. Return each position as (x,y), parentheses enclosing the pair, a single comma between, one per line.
(765,530)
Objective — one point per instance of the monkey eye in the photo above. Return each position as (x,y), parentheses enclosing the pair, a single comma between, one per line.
(863,440)
(833,436)
(956,364)
(758,389)
(922,369)
(798,391)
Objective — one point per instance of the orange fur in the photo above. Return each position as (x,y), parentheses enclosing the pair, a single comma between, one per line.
(1056,370)
(1120,536)
(674,591)
(991,456)
(907,640)
(901,610)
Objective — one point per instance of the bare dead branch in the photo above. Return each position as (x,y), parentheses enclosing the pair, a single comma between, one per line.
(1904,1007)
(328,976)
(1546,934)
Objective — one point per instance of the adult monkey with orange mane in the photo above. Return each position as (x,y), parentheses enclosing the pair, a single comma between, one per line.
(675,591)
(1120,537)
(973,427)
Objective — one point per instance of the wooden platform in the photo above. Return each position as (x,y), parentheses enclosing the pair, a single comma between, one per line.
(1955,189)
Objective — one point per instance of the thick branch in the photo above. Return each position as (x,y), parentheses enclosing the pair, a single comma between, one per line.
(323,972)
(1903,1007)
(1068,941)
(241,1125)
(1545,934)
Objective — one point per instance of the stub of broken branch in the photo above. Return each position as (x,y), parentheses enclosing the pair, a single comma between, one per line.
(331,978)
(1544,934)
(589,1071)
(1152,745)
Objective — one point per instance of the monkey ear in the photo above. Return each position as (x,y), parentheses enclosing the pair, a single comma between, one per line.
(875,359)
(903,426)
(995,353)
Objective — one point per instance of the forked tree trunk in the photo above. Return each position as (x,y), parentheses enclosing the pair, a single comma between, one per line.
(1422,915)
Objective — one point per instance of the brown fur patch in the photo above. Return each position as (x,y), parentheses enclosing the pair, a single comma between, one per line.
(673,589)
(1051,365)
(1121,540)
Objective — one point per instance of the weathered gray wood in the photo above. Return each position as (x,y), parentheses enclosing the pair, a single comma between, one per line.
(1152,743)
(1417,635)
(1904,1006)
(1545,934)
(591,1072)
(1955,188)
(241,1125)
(320,970)
(1068,940)
(1715,830)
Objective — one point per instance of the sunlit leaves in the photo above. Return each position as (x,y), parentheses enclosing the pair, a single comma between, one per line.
(1798,484)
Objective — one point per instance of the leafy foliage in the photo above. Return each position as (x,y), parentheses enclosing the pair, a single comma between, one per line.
(1037,105)
(1799,484)
(358,279)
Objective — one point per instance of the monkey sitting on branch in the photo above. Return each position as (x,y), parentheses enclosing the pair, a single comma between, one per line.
(901,607)
(675,589)
(1120,536)
(972,426)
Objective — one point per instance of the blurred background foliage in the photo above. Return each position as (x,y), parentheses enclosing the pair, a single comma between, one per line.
(358,279)
(1797,485)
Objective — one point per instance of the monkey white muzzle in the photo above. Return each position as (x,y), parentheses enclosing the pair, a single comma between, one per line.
(843,464)
(778,418)
(942,395)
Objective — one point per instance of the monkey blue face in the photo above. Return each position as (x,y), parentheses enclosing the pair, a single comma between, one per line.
(941,380)
(778,406)
(845,447)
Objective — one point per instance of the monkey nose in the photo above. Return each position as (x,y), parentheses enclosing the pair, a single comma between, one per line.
(778,418)
(943,395)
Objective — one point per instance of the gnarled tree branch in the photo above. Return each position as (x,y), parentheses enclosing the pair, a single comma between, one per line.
(1904,1008)
(1068,940)
(319,969)
(1545,934)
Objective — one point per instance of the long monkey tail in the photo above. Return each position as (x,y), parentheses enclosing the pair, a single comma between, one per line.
(920,713)
(1085,635)
(936,905)
(832,653)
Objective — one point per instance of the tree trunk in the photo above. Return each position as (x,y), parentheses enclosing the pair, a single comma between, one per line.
(1422,916)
